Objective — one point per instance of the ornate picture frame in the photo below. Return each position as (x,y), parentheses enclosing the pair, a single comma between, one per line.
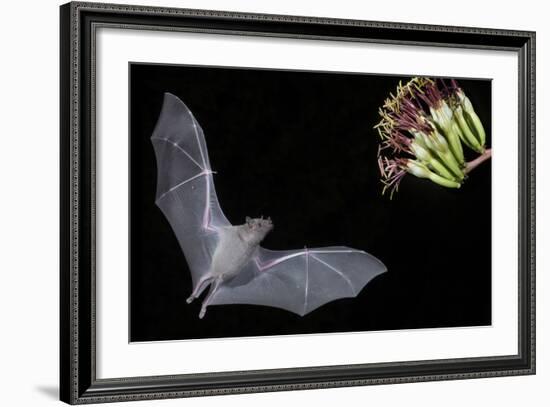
(79,381)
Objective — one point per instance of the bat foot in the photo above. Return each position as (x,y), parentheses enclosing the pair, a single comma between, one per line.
(203,311)
(190,299)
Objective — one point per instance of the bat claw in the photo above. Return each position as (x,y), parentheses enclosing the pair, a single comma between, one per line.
(190,299)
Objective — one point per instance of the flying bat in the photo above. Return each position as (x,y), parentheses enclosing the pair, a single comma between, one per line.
(228,258)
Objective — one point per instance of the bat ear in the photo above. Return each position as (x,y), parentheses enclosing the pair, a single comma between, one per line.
(248,219)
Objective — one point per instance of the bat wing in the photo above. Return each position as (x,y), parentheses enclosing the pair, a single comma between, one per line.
(300,280)
(185,186)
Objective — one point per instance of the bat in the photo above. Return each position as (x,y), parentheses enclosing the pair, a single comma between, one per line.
(229,259)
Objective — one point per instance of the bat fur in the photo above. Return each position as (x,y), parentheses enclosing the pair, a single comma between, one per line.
(235,249)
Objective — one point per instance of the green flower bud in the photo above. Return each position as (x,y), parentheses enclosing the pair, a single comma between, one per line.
(466,131)
(421,171)
(472,119)
(432,162)
(446,155)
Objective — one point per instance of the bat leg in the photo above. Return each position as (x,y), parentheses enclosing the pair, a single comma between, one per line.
(203,283)
(213,289)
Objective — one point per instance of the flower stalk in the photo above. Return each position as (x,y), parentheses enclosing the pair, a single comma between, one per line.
(423,128)
(474,163)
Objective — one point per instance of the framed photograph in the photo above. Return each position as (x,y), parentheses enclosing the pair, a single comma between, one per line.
(256,203)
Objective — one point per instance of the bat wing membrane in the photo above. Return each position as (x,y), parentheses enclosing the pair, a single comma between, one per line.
(300,281)
(185,185)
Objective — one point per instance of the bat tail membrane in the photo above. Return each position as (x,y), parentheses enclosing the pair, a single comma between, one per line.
(301,281)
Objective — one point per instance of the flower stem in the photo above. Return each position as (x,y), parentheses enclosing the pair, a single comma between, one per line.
(470,165)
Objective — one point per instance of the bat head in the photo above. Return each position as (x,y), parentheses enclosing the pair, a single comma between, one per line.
(258,228)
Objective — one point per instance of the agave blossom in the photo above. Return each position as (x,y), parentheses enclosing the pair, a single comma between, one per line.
(422,130)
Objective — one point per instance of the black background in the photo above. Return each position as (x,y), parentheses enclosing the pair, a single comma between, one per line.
(299,147)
